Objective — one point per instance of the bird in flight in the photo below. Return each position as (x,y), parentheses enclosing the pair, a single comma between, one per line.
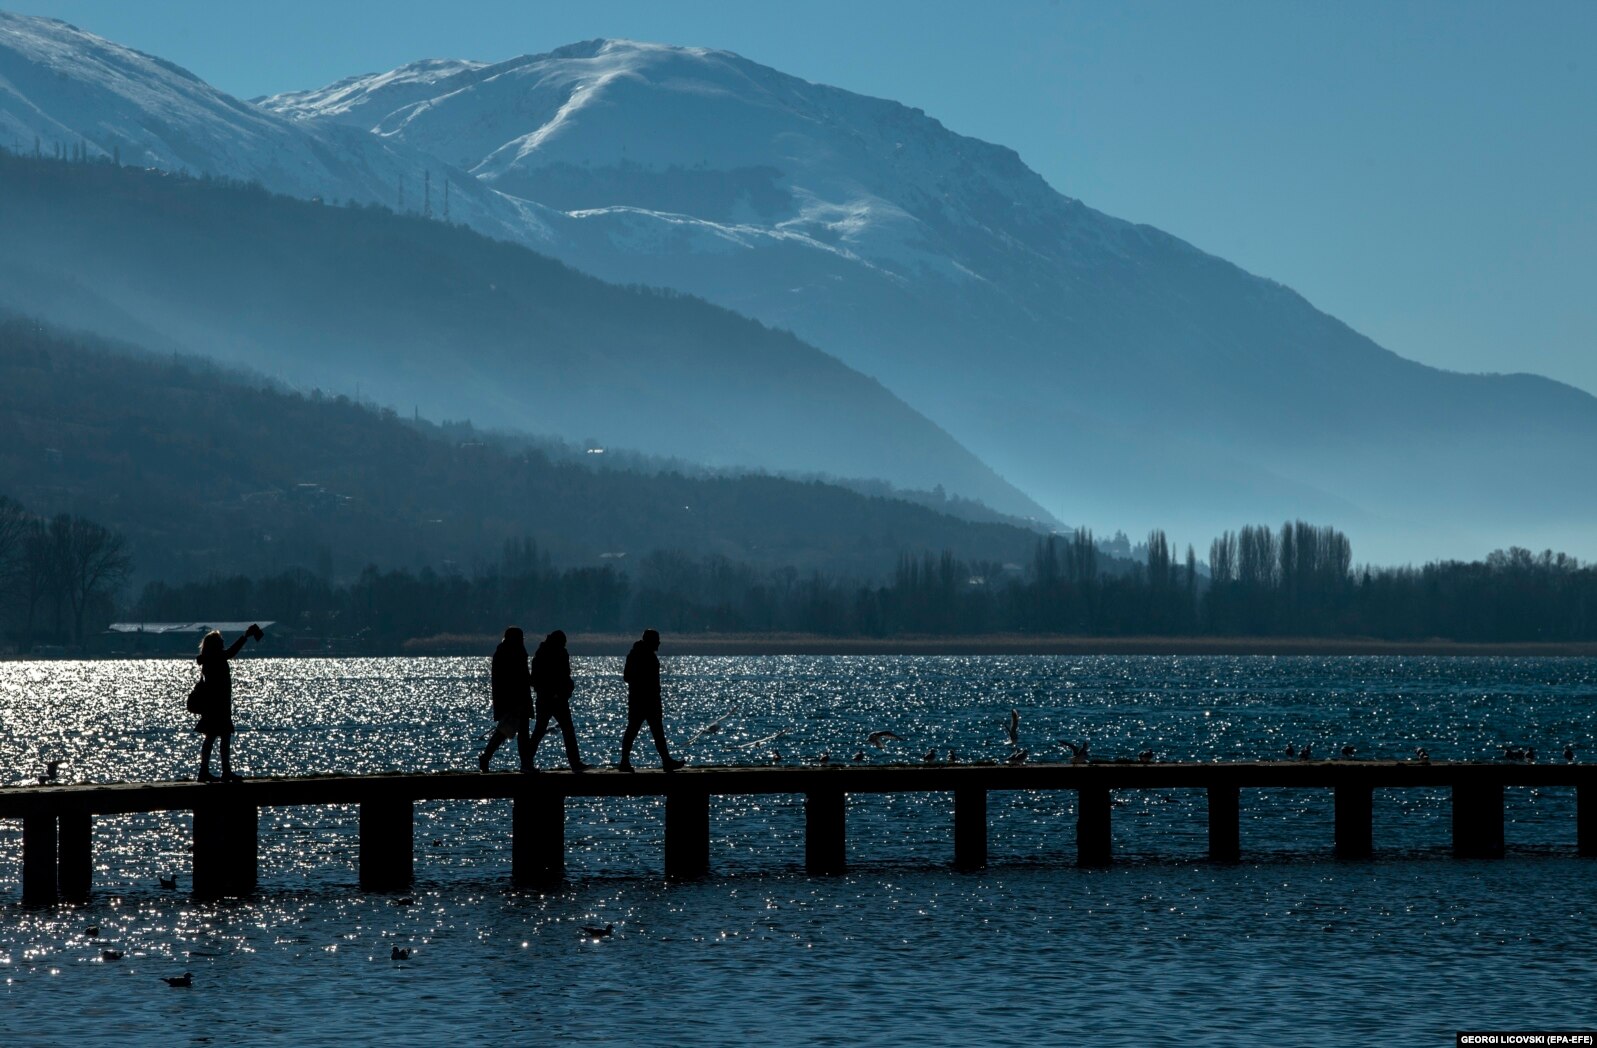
(713,727)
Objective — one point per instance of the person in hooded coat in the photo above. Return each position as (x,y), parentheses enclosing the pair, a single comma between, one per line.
(512,698)
(552,683)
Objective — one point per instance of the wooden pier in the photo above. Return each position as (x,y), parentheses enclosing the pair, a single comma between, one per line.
(58,821)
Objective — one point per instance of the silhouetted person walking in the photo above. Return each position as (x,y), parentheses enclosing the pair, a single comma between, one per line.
(512,698)
(642,674)
(552,683)
(216,700)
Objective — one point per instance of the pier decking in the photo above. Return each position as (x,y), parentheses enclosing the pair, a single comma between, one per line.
(58,820)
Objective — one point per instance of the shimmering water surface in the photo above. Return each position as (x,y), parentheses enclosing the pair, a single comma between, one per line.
(1287,947)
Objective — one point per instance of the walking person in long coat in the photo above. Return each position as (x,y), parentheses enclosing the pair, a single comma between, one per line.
(642,674)
(552,683)
(512,698)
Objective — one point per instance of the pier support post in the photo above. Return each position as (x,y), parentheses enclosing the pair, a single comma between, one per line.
(38,860)
(537,838)
(1355,811)
(687,833)
(1586,819)
(1225,823)
(1478,820)
(825,832)
(1092,826)
(970,828)
(226,843)
(387,844)
(75,855)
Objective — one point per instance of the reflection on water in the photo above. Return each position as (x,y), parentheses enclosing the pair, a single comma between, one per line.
(1287,947)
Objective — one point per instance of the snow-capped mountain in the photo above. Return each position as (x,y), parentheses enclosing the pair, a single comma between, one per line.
(68,90)
(1118,374)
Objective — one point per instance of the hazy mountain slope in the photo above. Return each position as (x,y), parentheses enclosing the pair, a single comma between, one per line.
(210,473)
(414,313)
(1177,386)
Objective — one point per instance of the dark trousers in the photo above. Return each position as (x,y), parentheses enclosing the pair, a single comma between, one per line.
(227,753)
(523,748)
(637,714)
(560,710)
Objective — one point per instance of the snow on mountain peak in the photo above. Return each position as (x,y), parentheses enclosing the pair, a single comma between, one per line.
(347,99)
(704,136)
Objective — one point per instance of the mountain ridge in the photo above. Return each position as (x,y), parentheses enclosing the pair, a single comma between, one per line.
(1117,373)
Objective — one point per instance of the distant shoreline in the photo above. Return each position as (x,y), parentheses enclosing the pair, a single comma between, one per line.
(1019,644)
(467,645)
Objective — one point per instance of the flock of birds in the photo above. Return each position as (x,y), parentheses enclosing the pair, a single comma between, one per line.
(880,739)
(1524,754)
(589,932)
(1018,753)
(186,980)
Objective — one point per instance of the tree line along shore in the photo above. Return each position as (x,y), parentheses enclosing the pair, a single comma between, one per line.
(1292,592)
(1015,644)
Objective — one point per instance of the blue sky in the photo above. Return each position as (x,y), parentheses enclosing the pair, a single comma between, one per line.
(1424,171)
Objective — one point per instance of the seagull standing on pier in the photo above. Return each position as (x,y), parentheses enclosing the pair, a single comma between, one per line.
(1078,754)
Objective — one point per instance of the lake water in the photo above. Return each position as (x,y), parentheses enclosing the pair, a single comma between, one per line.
(1287,947)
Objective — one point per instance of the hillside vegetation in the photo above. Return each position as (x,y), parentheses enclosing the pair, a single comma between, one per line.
(209,471)
(422,315)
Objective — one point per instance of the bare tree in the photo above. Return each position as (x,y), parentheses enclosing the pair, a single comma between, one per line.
(92,561)
(35,575)
(13,527)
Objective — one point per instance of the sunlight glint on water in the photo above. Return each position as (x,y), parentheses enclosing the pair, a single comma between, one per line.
(1159,946)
